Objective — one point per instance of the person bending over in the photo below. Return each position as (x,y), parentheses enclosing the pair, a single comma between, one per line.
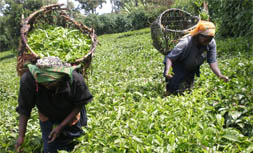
(60,94)
(183,62)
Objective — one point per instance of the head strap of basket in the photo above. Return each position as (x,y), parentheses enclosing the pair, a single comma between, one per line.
(169,27)
(50,69)
(48,14)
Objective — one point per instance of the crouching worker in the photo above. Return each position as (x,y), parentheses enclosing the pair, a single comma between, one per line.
(183,62)
(60,94)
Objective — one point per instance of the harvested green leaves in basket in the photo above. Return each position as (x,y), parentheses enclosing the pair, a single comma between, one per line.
(66,43)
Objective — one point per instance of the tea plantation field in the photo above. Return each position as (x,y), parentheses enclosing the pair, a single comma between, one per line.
(129,112)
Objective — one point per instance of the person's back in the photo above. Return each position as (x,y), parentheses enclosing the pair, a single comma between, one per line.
(60,102)
(187,57)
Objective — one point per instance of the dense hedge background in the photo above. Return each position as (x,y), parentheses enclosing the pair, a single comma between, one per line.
(122,22)
(232,18)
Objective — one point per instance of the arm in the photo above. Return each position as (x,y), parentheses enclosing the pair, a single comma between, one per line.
(211,59)
(22,130)
(167,68)
(216,70)
(26,101)
(56,131)
(81,97)
(176,53)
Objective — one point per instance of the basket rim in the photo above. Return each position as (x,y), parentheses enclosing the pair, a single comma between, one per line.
(176,9)
(26,27)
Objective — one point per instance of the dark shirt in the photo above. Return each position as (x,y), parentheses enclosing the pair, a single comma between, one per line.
(56,103)
(187,53)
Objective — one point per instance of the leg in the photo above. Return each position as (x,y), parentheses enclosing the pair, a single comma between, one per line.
(83,118)
(173,85)
(63,142)
(188,83)
(46,128)
(189,78)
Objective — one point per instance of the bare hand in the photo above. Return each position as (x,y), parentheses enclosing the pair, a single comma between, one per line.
(54,134)
(225,78)
(18,144)
(168,76)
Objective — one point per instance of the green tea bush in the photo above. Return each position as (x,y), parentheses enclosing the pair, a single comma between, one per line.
(235,46)
(129,112)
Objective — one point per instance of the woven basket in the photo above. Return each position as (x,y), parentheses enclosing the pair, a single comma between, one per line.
(54,15)
(169,27)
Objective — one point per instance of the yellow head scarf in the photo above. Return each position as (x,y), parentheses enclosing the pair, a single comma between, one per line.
(205,28)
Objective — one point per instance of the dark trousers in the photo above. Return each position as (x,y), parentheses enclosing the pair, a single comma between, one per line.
(181,80)
(65,140)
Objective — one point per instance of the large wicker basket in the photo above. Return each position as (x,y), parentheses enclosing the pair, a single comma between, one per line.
(54,15)
(169,27)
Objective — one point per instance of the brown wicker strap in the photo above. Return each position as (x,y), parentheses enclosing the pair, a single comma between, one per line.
(41,16)
(170,26)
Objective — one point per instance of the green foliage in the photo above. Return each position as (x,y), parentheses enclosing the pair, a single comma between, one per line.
(204,15)
(9,122)
(11,19)
(191,6)
(10,22)
(67,44)
(139,19)
(123,23)
(5,34)
(234,18)
(129,112)
(114,23)
(132,5)
(235,46)
(107,23)
(92,20)
(195,7)
(90,6)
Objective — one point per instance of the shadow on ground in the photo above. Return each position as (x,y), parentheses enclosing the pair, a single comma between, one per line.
(7,57)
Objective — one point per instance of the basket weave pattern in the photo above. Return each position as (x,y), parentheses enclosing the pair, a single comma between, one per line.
(169,27)
(54,15)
